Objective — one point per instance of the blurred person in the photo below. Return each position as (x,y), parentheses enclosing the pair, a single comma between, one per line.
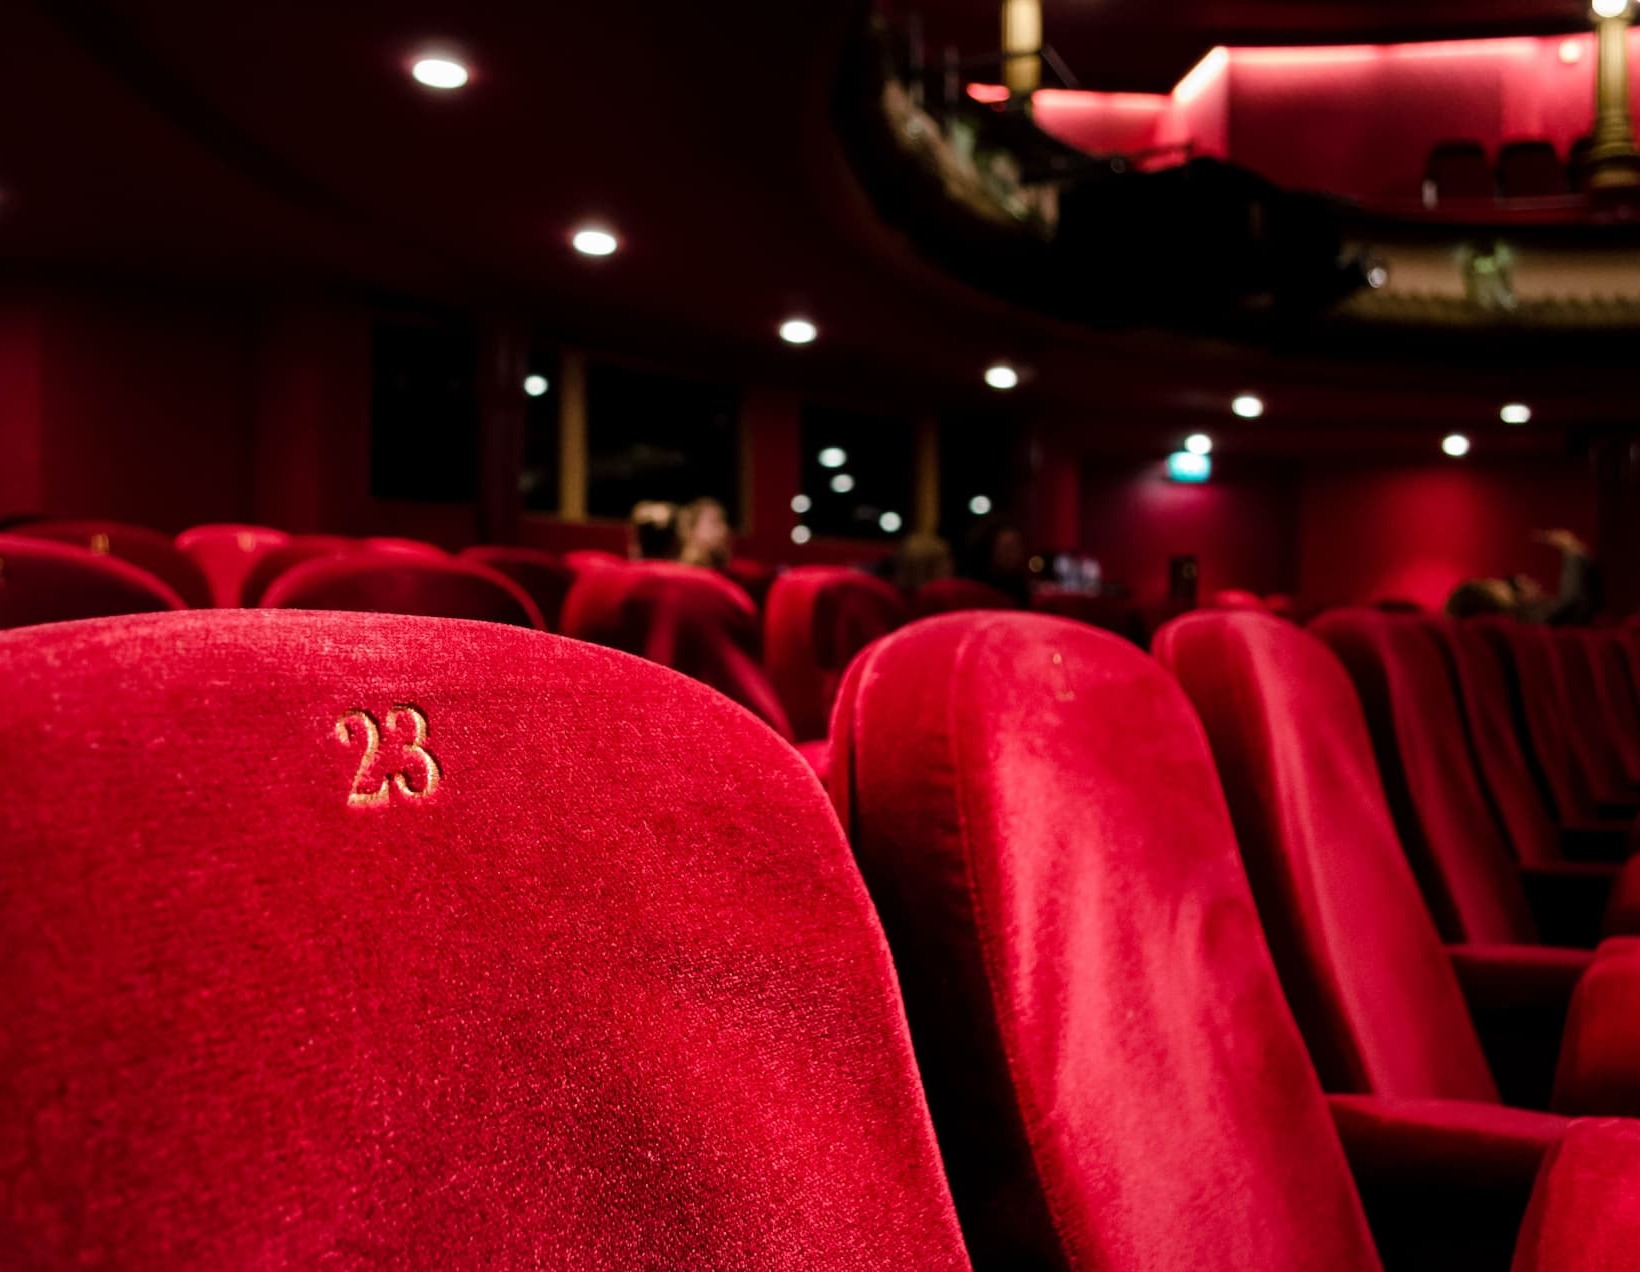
(1522,598)
(921,558)
(995,555)
(703,534)
(652,531)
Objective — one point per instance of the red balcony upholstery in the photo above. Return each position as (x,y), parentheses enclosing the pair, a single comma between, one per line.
(46,582)
(392,582)
(147,549)
(226,554)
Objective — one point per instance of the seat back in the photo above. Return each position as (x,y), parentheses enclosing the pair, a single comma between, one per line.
(1531,170)
(46,582)
(281,560)
(147,549)
(1358,952)
(392,582)
(1459,170)
(1598,749)
(542,575)
(410,547)
(1527,652)
(1618,694)
(948,596)
(226,554)
(1238,599)
(816,620)
(755,578)
(1495,735)
(1459,856)
(354,940)
(1112,613)
(1114,1077)
(683,617)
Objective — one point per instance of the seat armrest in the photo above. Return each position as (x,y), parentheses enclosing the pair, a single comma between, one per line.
(1519,997)
(1444,1182)
(1569,900)
(1599,1070)
(1614,841)
(1584,1214)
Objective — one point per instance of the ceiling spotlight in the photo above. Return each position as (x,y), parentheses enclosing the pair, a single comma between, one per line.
(1002,377)
(536,385)
(1610,8)
(595,242)
(1199,444)
(842,483)
(1248,407)
(801,504)
(1516,413)
(439,72)
(798,331)
(801,534)
(890,522)
(1455,445)
(833,457)
(980,505)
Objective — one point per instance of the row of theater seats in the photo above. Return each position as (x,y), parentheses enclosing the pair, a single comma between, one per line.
(1460,170)
(381,940)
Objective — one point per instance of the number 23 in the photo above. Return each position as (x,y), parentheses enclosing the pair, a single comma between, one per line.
(356,723)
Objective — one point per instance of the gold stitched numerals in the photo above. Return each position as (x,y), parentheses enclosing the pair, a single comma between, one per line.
(415,775)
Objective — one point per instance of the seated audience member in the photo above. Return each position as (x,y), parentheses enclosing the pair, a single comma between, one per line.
(995,555)
(1523,598)
(922,558)
(703,534)
(652,534)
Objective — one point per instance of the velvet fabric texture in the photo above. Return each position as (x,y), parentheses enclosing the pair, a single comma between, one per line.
(1237,599)
(816,620)
(1618,695)
(1585,1212)
(409,547)
(299,551)
(948,596)
(147,549)
(595,983)
(543,576)
(1364,968)
(1114,1077)
(395,582)
(226,554)
(683,617)
(46,582)
(1597,746)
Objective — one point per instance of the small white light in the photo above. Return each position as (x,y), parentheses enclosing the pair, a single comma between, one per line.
(801,504)
(1378,277)
(536,385)
(594,242)
(439,72)
(1247,407)
(799,331)
(979,505)
(842,483)
(801,534)
(1002,377)
(890,522)
(1610,8)
(1455,445)
(833,457)
(1199,444)
(1516,413)
(1571,52)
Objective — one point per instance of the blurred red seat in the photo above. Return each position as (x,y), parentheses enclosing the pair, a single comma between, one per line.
(689,619)
(542,575)
(1459,170)
(391,582)
(42,581)
(947,596)
(1111,613)
(227,553)
(1234,598)
(356,941)
(147,549)
(410,547)
(1607,751)
(1531,170)
(300,550)
(583,559)
(756,577)
(816,620)
(1619,694)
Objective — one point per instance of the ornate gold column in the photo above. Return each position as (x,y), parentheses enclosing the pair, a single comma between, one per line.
(1022,48)
(1613,160)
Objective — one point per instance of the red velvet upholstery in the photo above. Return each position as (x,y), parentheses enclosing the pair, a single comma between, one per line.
(816,620)
(1115,1079)
(610,995)
(1597,748)
(147,549)
(754,577)
(1114,614)
(1458,853)
(410,547)
(1585,1212)
(1236,599)
(299,551)
(947,596)
(542,575)
(1618,694)
(46,582)
(1363,965)
(580,560)
(683,617)
(226,554)
(395,582)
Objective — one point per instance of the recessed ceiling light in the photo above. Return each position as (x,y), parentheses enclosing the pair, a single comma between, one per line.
(1455,445)
(979,505)
(798,331)
(1516,413)
(842,483)
(890,522)
(801,504)
(1002,377)
(801,534)
(1248,406)
(591,241)
(833,457)
(1199,444)
(442,73)
(536,385)
(1610,8)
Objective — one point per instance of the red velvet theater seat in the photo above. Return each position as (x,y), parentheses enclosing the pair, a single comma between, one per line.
(542,575)
(754,577)
(1115,1078)
(1236,599)
(948,596)
(581,560)
(404,583)
(279,561)
(355,941)
(1114,614)
(816,620)
(46,582)
(147,549)
(1381,1003)
(410,547)
(689,619)
(1618,694)
(1607,752)
(227,553)
(1473,885)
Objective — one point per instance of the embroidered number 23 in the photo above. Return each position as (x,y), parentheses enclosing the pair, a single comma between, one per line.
(415,776)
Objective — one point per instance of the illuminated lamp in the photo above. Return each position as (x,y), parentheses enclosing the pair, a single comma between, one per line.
(1192,470)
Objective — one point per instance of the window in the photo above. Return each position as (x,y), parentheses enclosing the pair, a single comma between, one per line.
(858,473)
(657,437)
